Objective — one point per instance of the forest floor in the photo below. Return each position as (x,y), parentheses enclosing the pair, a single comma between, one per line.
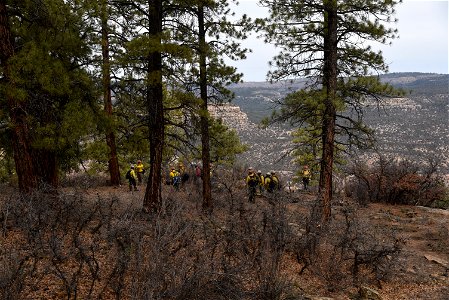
(419,271)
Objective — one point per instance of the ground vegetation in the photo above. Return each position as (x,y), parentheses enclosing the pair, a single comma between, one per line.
(93,241)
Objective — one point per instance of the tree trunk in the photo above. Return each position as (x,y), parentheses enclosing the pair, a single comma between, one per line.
(21,140)
(45,164)
(114,170)
(204,119)
(153,197)
(330,84)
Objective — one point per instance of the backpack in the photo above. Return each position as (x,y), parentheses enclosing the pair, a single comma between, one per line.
(253,181)
(176,180)
(272,184)
(128,175)
(185,177)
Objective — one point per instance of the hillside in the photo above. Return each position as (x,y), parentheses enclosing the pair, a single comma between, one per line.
(413,126)
(93,242)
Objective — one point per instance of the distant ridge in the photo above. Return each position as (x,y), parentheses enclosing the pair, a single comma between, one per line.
(413,126)
(416,82)
(419,83)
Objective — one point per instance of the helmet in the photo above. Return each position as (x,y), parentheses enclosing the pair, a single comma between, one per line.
(259,172)
(272,172)
(132,166)
(268,174)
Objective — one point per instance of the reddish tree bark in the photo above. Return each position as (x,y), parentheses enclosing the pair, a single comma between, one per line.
(204,120)
(155,109)
(46,167)
(113,165)
(21,141)
(330,84)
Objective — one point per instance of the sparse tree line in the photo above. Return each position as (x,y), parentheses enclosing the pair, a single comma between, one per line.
(133,79)
(95,83)
(101,83)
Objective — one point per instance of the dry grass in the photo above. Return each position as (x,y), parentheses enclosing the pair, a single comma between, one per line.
(95,243)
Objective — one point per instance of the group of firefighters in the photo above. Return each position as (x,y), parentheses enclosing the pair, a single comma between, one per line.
(176,176)
(179,176)
(256,182)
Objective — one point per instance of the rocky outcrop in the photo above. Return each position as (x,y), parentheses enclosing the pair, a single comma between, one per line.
(268,147)
(231,115)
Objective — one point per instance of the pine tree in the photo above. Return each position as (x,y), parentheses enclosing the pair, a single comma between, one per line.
(323,40)
(224,144)
(113,165)
(143,62)
(208,31)
(155,107)
(21,139)
(49,85)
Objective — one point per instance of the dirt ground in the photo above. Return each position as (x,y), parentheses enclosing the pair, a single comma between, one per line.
(422,272)
(421,269)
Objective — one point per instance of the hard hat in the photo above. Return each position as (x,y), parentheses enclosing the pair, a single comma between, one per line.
(259,171)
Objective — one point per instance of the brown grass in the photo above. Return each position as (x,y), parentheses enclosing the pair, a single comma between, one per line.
(96,243)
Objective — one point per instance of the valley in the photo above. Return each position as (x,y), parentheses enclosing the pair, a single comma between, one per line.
(415,126)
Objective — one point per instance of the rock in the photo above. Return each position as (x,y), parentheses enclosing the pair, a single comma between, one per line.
(367,293)
(440,211)
(296,229)
(268,147)
(317,298)
(437,260)
(231,115)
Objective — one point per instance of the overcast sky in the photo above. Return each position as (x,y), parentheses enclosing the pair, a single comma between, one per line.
(422,45)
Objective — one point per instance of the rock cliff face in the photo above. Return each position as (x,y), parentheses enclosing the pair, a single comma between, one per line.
(231,115)
(268,147)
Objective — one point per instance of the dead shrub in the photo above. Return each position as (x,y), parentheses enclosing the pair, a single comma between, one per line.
(84,180)
(13,271)
(67,245)
(346,252)
(397,181)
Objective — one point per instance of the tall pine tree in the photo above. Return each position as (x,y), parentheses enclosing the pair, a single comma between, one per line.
(16,105)
(47,85)
(325,41)
(208,30)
